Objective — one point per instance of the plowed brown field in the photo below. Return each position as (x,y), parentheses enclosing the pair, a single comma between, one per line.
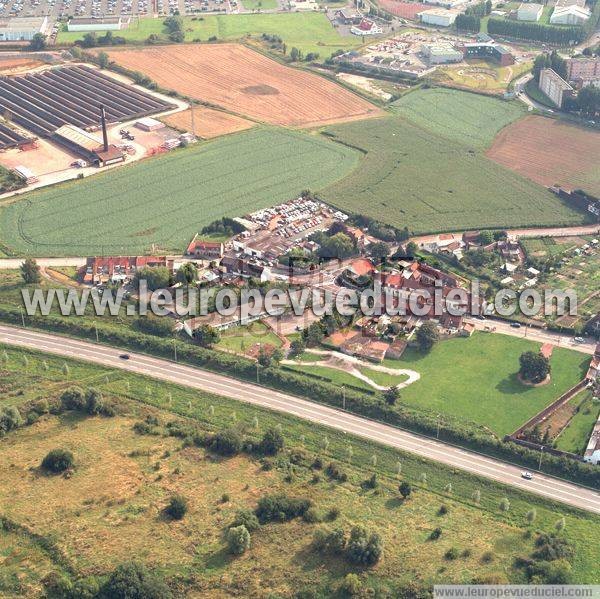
(208,123)
(550,152)
(248,83)
(407,10)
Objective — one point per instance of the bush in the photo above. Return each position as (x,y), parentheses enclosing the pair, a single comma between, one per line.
(94,404)
(443,510)
(177,507)
(238,540)
(364,549)
(10,419)
(371,482)
(333,514)
(311,515)
(41,407)
(272,442)
(280,508)
(57,461)
(436,533)
(73,399)
(228,442)
(405,489)
(245,518)
(334,471)
(452,553)
(134,581)
(330,541)
(351,585)
(487,557)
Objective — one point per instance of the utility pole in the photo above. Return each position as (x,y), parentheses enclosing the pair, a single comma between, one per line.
(257,375)
(96,329)
(437,434)
(541,456)
(175,348)
(22,316)
(344,397)
(193,124)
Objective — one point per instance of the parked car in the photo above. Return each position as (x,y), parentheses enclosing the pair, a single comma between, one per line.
(527,475)
(515,325)
(579,340)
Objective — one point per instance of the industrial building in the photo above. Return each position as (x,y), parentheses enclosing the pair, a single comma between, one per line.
(98,24)
(570,15)
(554,87)
(88,146)
(529,11)
(440,53)
(9,138)
(17,29)
(438,16)
(489,50)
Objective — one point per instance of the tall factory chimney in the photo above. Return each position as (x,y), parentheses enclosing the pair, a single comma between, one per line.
(103,122)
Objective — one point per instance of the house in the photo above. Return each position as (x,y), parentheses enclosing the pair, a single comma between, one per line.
(98,23)
(488,50)
(440,17)
(366,27)
(22,28)
(206,250)
(440,53)
(554,87)
(570,15)
(592,452)
(467,330)
(347,16)
(119,269)
(510,250)
(529,11)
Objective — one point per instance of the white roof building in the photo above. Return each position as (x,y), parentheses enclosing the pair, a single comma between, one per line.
(438,16)
(592,452)
(16,29)
(570,15)
(529,11)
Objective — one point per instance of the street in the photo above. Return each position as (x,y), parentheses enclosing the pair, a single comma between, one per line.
(502,472)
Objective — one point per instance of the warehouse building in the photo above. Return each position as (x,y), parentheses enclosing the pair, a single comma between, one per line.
(97,24)
(438,16)
(555,87)
(570,15)
(529,11)
(489,50)
(440,53)
(88,146)
(22,28)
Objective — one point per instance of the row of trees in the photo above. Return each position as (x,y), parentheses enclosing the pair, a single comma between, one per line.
(562,36)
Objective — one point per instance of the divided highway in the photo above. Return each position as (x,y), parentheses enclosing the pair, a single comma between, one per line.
(196,378)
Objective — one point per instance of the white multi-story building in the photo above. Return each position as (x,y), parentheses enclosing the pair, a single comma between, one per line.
(438,16)
(554,87)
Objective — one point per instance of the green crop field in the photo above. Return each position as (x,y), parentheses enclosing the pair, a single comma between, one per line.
(413,177)
(110,510)
(470,119)
(309,32)
(476,379)
(165,200)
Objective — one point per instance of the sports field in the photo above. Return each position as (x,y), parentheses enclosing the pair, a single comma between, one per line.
(164,201)
(412,177)
(550,152)
(309,32)
(470,119)
(407,10)
(248,83)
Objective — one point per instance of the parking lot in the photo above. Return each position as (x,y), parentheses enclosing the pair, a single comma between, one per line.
(62,9)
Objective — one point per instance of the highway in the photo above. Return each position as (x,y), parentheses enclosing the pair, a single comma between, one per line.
(431,449)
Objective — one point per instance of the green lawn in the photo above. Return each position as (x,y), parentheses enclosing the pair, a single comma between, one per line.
(575,436)
(259,4)
(413,177)
(309,32)
(110,508)
(476,379)
(470,119)
(163,201)
(335,376)
(241,339)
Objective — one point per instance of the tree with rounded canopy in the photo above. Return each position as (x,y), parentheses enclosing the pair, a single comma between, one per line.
(156,277)
(238,540)
(534,367)
(134,581)
(405,489)
(427,335)
(30,271)
(57,461)
(391,395)
(187,273)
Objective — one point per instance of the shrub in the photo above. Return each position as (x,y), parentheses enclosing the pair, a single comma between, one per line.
(364,549)
(94,404)
(351,585)
(452,553)
(334,471)
(272,442)
(245,518)
(443,510)
(333,514)
(238,540)
(436,533)
(280,508)
(333,541)
(311,515)
(177,507)
(134,581)
(227,442)
(86,588)
(317,464)
(371,482)
(487,557)
(57,461)
(10,419)
(41,407)
(405,489)
(73,399)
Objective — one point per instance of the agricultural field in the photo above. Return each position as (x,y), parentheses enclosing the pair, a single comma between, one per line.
(550,152)
(406,10)
(208,123)
(163,202)
(111,508)
(410,176)
(248,83)
(469,119)
(309,32)
(575,436)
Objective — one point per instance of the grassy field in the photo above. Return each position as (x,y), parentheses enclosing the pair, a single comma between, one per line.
(109,510)
(242,339)
(309,32)
(165,200)
(413,177)
(469,119)
(575,436)
(476,379)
